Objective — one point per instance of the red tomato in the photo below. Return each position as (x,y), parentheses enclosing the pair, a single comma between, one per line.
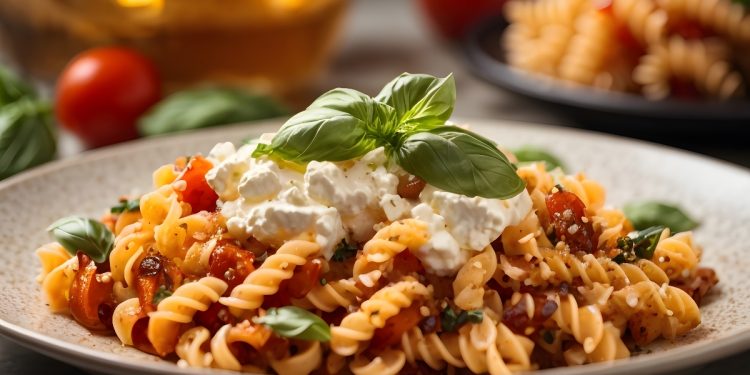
(567,213)
(230,263)
(103,91)
(395,327)
(91,301)
(453,18)
(198,193)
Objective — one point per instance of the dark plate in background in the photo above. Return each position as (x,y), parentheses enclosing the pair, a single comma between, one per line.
(620,113)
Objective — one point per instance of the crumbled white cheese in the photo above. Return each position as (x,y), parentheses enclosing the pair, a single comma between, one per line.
(475,221)
(441,254)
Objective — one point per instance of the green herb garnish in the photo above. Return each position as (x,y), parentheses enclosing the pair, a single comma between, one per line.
(638,244)
(527,154)
(89,236)
(344,251)
(206,107)
(161,294)
(407,118)
(296,323)
(126,205)
(648,214)
(450,321)
(27,136)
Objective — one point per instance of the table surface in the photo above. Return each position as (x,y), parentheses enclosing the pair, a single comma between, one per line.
(373,52)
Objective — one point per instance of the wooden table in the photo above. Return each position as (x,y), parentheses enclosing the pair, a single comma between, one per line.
(384,38)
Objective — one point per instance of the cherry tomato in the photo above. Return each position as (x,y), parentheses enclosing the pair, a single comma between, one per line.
(197,192)
(102,93)
(454,17)
(407,262)
(91,301)
(568,216)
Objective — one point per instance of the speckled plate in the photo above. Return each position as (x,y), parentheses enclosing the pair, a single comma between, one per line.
(710,190)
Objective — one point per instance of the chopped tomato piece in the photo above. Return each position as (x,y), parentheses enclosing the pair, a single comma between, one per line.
(407,262)
(395,327)
(230,263)
(91,300)
(410,187)
(215,317)
(198,193)
(568,217)
(304,279)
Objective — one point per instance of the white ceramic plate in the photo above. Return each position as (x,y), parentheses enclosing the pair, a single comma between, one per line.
(712,191)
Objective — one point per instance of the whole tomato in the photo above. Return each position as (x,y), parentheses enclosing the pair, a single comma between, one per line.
(453,18)
(103,91)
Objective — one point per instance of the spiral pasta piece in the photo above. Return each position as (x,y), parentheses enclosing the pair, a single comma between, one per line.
(190,348)
(494,348)
(584,323)
(307,359)
(265,280)
(611,225)
(645,20)
(389,362)
(56,285)
(653,311)
(695,61)
(591,193)
(676,255)
(586,60)
(359,326)
(333,295)
(179,308)
(722,16)
(468,286)
(390,241)
(124,317)
(524,239)
(436,351)
(51,256)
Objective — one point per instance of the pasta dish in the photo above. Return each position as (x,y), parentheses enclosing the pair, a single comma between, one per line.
(370,235)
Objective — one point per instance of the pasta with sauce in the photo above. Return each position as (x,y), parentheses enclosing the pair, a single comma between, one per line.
(548,288)
(656,48)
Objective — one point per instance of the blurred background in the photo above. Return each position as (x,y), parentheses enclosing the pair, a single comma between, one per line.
(177,65)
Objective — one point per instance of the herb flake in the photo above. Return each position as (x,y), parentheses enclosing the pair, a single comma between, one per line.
(344,251)
(126,205)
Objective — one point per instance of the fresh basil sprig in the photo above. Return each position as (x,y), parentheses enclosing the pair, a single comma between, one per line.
(529,153)
(126,205)
(456,160)
(407,118)
(421,101)
(206,107)
(296,323)
(27,136)
(77,233)
(650,213)
(638,245)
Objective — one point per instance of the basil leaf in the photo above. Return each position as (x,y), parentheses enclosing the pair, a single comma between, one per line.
(421,101)
(344,251)
(27,136)
(91,237)
(296,323)
(638,244)
(531,154)
(459,161)
(475,316)
(340,125)
(206,107)
(450,321)
(126,206)
(12,88)
(649,214)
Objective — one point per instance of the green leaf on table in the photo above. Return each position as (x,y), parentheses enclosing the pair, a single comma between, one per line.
(206,107)
(650,213)
(296,323)
(12,88)
(421,101)
(89,236)
(529,153)
(27,136)
(459,161)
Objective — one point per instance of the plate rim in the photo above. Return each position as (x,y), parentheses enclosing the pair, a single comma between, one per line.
(82,356)
(496,72)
